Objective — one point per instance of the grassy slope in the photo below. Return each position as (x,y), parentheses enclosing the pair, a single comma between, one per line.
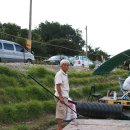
(24,104)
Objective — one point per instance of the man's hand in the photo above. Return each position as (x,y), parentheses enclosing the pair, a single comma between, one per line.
(61,99)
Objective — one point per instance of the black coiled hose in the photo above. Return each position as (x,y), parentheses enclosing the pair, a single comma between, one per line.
(100,110)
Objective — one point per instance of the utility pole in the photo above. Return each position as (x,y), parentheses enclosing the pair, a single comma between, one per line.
(86,42)
(30,24)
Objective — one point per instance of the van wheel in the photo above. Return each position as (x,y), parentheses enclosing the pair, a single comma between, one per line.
(29,61)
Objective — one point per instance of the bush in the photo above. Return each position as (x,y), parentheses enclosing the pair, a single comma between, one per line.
(25,111)
(92,66)
(76,93)
(49,106)
(40,72)
(20,127)
(8,114)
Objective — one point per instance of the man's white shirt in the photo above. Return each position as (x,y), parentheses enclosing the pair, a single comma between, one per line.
(62,78)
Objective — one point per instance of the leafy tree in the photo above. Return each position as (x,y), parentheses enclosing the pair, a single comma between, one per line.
(39,49)
(1,27)
(49,31)
(96,53)
(1,31)
(36,35)
(23,33)
(61,46)
(11,29)
(12,32)
(22,36)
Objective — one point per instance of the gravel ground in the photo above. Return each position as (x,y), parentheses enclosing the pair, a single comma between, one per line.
(55,68)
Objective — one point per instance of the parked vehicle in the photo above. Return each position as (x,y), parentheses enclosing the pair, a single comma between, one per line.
(13,52)
(82,61)
(55,60)
(71,60)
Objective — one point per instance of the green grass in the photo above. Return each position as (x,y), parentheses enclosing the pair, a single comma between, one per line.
(20,127)
(25,110)
(22,99)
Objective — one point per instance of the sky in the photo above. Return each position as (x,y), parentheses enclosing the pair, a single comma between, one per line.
(107,21)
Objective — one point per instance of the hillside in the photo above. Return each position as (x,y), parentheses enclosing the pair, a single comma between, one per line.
(23,102)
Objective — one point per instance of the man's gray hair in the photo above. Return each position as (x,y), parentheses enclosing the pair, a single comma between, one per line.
(64,61)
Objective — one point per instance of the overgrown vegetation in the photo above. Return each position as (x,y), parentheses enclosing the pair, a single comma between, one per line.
(23,100)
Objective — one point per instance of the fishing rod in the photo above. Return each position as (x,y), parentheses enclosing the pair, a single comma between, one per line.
(54,95)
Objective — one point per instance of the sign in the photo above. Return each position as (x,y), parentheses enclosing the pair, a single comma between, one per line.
(28,44)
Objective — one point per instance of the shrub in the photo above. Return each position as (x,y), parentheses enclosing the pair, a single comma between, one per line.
(20,127)
(76,93)
(34,109)
(8,115)
(40,72)
(92,66)
(49,106)
(80,74)
(6,81)
(24,111)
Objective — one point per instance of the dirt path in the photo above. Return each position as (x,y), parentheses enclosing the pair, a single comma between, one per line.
(55,126)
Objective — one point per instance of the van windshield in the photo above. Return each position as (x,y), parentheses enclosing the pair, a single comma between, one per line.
(19,48)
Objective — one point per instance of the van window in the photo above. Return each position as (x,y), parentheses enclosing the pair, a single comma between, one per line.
(19,48)
(8,46)
(0,45)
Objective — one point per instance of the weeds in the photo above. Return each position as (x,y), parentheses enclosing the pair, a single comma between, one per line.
(21,99)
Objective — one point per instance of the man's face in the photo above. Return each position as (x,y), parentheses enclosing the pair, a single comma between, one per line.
(65,67)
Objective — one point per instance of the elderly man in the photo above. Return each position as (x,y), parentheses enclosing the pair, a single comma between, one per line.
(62,92)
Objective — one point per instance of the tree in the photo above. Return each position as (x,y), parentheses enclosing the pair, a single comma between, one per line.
(61,46)
(39,49)
(22,36)
(12,32)
(36,35)
(11,29)
(51,38)
(23,33)
(96,54)
(50,31)
(1,31)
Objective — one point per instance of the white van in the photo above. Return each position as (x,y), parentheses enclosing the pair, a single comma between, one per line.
(82,61)
(13,52)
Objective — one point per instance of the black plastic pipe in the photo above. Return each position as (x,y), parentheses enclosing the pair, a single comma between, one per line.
(100,110)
